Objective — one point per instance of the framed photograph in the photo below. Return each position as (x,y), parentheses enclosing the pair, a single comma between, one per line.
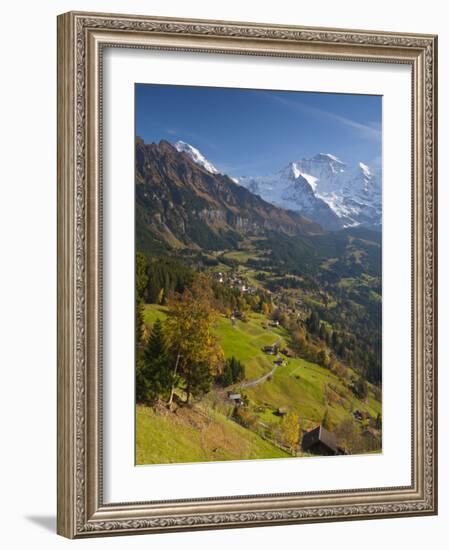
(246,274)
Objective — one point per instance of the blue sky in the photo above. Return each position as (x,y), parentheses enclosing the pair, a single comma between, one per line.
(256,132)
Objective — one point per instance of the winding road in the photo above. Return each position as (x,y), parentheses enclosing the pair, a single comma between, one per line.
(252,383)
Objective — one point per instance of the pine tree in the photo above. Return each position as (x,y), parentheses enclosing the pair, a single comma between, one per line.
(322,332)
(360,388)
(141,275)
(155,348)
(233,372)
(313,322)
(198,379)
(334,339)
(141,382)
(154,368)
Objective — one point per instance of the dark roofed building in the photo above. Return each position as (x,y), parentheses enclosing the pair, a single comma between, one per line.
(270,350)
(320,442)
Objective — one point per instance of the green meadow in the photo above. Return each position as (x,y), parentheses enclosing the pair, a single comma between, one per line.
(206,430)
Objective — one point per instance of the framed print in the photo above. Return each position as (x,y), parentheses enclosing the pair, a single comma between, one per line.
(246,274)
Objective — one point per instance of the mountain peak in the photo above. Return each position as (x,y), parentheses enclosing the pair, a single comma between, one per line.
(328,157)
(365,170)
(291,171)
(196,156)
(318,184)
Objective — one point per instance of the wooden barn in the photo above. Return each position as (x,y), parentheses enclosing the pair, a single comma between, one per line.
(319,441)
(235,398)
(271,350)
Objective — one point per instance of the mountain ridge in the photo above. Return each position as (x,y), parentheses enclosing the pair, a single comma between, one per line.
(322,188)
(181,203)
(342,195)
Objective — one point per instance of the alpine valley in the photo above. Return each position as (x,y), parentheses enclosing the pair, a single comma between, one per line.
(258,307)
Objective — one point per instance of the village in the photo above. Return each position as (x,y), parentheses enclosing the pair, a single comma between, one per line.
(286,302)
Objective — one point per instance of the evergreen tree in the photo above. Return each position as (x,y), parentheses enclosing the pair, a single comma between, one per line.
(142,386)
(154,368)
(198,379)
(155,348)
(323,358)
(360,388)
(233,372)
(334,339)
(322,332)
(140,324)
(141,276)
(313,323)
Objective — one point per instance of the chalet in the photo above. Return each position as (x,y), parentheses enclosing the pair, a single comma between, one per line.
(287,352)
(282,411)
(279,361)
(270,350)
(319,441)
(274,323)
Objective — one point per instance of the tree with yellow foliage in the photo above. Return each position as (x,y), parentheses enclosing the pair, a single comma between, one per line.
(290,431)
(189,325)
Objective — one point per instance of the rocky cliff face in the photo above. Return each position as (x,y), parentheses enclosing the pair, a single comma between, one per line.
(182,203)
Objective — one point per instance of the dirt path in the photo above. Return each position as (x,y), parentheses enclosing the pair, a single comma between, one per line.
(252,383)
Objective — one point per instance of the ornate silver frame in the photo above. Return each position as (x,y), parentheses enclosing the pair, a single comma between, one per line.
(81,39)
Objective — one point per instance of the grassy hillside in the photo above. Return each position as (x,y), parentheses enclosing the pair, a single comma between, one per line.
(305,389)
(194,435)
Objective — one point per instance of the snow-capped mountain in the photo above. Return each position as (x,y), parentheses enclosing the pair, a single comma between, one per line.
(321,188)
(293,190)
(196,156)
(352,194)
